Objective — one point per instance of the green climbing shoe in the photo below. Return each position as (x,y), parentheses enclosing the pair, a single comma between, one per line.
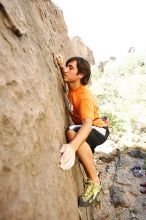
(91,190)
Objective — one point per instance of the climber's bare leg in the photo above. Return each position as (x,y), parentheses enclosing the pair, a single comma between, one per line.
(86,157)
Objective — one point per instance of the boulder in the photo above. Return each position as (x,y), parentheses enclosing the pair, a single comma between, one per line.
(33,117)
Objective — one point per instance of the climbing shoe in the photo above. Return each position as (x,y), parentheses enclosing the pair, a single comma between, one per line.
(143,184)
(91,190)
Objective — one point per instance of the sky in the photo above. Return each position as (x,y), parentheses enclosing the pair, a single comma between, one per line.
(107,27)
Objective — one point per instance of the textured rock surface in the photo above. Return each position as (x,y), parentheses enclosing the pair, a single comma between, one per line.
(32,115)
(80,49)
(120,198)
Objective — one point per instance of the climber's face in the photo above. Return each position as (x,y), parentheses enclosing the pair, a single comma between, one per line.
(71,73)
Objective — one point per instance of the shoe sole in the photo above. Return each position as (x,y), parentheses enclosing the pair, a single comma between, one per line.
(88,203)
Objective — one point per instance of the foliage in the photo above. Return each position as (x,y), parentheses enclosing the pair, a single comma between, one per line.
(120,91)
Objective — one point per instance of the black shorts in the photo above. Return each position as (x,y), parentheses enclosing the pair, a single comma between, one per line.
(96,137)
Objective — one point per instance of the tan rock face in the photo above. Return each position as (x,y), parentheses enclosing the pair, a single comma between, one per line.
(32,115)
(80,49)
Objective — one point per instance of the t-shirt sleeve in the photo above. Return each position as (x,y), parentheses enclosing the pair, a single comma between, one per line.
(86,109)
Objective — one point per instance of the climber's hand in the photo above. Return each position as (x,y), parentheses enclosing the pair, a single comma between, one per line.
(59,59)
(68,156)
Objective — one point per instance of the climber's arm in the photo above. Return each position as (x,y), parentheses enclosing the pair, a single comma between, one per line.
(68,150)
(60,62)
(59,59)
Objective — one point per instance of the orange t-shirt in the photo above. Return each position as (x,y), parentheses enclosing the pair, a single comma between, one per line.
(84,106)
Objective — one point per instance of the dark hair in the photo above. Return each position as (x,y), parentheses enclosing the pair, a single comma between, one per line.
(83,67)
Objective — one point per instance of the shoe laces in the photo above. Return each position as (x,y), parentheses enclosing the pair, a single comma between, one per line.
(88,187)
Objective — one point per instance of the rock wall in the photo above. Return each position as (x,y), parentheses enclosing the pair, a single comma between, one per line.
(32,115)
(80,49)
